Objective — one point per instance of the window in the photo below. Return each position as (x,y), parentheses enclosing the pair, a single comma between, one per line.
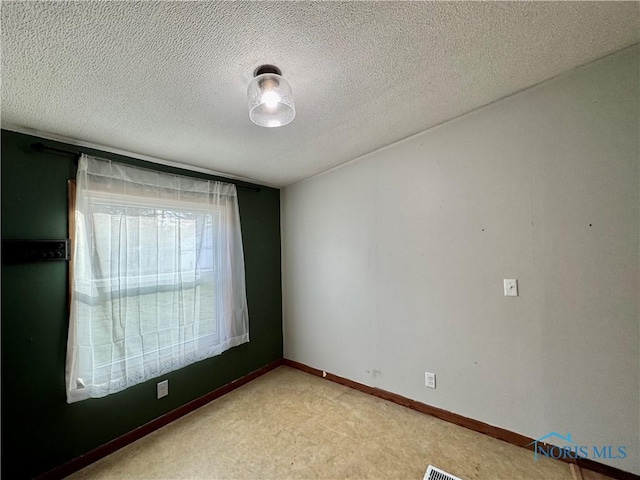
(157,277)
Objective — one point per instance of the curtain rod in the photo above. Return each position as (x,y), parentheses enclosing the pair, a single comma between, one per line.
(41,147)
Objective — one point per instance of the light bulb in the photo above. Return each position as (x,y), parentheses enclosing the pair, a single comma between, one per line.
(271,99)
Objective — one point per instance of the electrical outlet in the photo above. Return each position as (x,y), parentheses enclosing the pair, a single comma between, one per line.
(430,380)
(163,388)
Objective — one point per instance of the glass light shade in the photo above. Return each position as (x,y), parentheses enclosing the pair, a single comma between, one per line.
(270,101)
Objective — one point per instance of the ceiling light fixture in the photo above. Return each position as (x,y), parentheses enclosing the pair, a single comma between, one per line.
(270,98)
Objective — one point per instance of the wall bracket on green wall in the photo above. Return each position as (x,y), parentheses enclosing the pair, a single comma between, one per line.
(21,251)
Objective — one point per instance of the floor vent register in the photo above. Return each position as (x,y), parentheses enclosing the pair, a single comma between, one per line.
(434,473)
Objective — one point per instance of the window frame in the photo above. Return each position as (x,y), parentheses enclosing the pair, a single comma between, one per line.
(223,334)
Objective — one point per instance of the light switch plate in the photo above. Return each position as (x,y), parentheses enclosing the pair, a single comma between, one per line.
(510,287)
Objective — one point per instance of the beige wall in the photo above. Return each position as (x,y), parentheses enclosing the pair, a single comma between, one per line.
(393,264)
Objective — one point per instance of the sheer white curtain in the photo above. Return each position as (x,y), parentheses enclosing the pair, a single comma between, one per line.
(157,279)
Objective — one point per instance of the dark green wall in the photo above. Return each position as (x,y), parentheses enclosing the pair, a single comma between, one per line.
(39,429)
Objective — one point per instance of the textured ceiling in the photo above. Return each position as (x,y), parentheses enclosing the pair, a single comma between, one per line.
(169,79)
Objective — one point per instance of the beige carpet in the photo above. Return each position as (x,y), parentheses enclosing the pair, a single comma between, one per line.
(288,424)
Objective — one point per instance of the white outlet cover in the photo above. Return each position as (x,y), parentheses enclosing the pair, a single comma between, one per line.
(510,287)
(430,380)
(163,388)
